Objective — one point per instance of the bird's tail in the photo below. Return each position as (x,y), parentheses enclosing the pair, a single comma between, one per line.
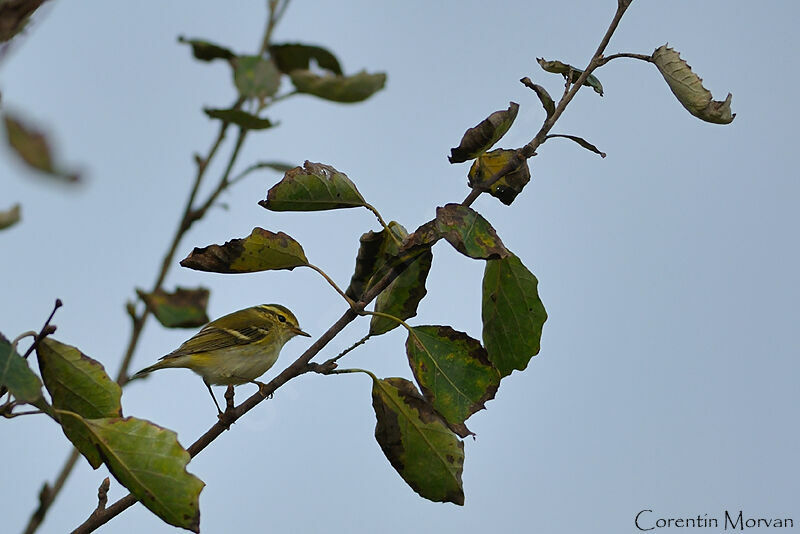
(147,370)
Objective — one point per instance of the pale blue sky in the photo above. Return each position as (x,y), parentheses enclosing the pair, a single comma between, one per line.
(668,372)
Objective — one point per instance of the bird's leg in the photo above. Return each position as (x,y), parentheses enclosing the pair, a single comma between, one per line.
(213,397)
(229,398)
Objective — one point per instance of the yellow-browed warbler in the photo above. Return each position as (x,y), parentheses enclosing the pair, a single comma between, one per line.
(236,348)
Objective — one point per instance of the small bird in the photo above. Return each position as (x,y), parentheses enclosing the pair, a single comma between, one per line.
(236,348)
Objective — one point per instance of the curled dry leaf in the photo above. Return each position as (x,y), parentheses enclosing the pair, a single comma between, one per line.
(482,137)
(10,217)
(573,73)
(32,146)
(688,88)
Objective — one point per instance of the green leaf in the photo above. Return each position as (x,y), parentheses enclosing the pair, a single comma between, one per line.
(262,250)
(15,374)
(482,137)
(241,118)
(417,441)
(573,73)
(581,141)
(14,16)
(453,371)
(80,385)
(513,314)
(337,88)
(32,146)
(688,88)
(402,297)
(207,51)
(313,187)
(256,77)
(185,308)
(509,186)
(149,461)
(10,217)
(297,56)
(469,232)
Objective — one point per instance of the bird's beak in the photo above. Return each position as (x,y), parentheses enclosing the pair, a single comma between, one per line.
(299,332)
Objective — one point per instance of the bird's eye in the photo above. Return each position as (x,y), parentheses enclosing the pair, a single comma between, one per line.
(281,318)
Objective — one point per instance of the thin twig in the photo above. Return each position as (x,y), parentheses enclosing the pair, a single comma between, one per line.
(602,61)
(329,365)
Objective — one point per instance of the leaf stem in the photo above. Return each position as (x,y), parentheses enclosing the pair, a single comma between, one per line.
(602,61)
(377,214)
(322,273)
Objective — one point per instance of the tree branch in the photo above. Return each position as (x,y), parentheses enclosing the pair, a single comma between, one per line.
(301,365)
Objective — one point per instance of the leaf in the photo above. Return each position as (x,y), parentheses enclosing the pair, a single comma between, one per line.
(401,297)
(15,374)
(469,232)
(207,51)
(482,137)
(185,308)
(370,250)
(417,441)
(241,118)
(14,16)
(33,148)
(80,385)
(297,56)
(453,371)
(509,186)
(337,88)
(544,97)
(149,461)
(256,77)
(581,141)
(376,254)
(313,187)
(262,250)
(688,88)
(573,73)
(10,217)
(512,314)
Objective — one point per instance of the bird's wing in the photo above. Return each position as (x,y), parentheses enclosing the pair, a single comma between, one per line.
(213,338)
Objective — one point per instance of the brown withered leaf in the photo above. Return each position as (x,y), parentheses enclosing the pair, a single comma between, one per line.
(184,308)
(482,137)
(262,250)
